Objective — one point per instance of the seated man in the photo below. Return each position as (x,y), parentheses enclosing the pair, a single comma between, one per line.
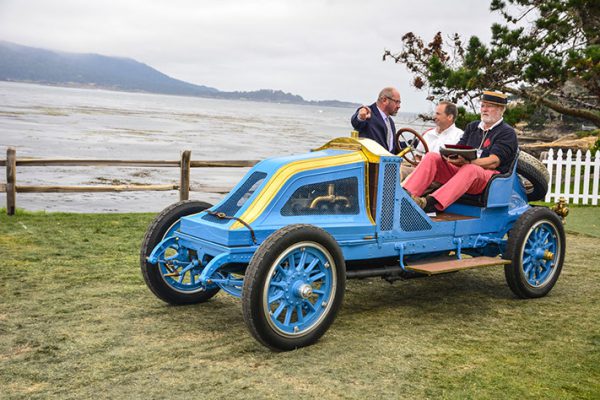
(445,132)
(496,144)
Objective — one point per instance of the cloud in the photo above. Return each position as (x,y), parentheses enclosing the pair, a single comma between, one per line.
(318,49)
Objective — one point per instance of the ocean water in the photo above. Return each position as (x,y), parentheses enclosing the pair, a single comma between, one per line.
(54,122)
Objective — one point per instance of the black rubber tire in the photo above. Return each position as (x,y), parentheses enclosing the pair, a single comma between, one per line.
(257,273)
(533,170)
(515,248)
(155,233)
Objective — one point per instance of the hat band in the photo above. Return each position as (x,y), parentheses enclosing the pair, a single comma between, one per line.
(490,98)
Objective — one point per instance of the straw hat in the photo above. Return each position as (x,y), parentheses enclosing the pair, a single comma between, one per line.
(494,98)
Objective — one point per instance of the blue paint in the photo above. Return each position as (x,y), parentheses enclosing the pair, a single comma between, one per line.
(537,269)
(336,199)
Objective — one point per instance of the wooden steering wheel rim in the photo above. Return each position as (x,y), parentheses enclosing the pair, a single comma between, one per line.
(413,162)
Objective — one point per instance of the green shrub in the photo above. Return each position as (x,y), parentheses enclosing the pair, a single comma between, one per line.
(464,117)
(596,146)
(533,115)
(593,132)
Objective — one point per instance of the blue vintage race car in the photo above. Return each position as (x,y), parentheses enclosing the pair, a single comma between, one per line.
(287,237)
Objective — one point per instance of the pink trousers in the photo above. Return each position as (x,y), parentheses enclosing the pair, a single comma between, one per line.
(456,181)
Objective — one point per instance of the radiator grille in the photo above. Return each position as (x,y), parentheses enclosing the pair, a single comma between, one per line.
(388,210)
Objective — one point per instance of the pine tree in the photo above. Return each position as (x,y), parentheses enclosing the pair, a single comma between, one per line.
(547,52)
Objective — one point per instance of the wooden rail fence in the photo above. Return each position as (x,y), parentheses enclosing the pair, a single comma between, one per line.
(185,164)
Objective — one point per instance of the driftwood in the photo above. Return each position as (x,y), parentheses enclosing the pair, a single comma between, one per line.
(568,142)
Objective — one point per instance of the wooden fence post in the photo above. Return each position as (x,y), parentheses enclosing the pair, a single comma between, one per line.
(11,180)
(184,182)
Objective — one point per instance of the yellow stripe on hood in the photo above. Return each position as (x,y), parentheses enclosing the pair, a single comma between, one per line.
(284,173)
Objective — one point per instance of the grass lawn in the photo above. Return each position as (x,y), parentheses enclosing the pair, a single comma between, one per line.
(584,220)
(77,321)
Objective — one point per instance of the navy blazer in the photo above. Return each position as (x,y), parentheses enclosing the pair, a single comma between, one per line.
(501,141)
(374,127)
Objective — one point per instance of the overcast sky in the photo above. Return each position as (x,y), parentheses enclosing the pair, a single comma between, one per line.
(319,49)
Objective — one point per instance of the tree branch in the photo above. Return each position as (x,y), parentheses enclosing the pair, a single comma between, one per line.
(591,116)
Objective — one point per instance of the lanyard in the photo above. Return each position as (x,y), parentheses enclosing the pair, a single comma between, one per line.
(483,138)
(479,151)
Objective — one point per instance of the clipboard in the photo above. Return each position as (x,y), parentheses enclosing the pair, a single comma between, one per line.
(451,150)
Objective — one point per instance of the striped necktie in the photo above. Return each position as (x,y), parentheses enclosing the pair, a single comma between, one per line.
(390,134)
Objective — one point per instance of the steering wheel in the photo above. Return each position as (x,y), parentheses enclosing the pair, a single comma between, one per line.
(412,140)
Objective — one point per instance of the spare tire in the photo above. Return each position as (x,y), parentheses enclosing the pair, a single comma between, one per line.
(534,176)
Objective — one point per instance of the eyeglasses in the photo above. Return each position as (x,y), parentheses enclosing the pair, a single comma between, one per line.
(392,99)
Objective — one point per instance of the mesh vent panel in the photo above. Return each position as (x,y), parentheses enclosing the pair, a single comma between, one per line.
(387,199)
(338,197)
(233,204)
(410,219)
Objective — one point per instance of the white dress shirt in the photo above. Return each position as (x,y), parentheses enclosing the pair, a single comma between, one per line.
(436,140)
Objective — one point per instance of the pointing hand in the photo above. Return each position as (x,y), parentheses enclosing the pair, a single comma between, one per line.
(364,113)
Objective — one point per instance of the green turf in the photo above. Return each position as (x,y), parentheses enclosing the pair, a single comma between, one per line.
(585,220)
(77,321)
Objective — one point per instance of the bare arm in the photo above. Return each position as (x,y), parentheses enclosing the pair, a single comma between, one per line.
(490,162)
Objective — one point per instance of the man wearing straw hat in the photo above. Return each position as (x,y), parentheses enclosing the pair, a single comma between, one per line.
(496,144)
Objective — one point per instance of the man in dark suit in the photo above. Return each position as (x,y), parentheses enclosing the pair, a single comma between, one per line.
(375,122)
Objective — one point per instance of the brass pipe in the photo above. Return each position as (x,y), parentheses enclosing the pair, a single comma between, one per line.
(330,197)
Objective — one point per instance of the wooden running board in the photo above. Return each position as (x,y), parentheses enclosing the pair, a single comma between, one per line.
(440,267)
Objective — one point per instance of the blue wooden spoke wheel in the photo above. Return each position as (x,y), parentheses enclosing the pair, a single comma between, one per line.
(293,287)
(174,278)
(536,247)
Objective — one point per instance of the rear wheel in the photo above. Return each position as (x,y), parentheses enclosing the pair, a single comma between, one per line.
(170,279)
(293,287)
(536,247)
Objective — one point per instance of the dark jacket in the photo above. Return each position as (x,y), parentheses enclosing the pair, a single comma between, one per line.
(374,127)
(501,141)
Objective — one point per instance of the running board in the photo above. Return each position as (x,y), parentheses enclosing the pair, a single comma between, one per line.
(441,267)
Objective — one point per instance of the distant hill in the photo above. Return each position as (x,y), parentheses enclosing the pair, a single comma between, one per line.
(28,64)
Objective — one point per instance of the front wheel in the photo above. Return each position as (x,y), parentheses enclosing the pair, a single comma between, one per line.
(293,287)
(536,247)
(170,279)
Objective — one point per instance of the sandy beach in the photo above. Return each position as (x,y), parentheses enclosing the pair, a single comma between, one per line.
(53,122)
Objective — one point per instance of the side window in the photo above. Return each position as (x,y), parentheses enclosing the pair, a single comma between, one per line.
(250,192)
(337,197)
(236,200)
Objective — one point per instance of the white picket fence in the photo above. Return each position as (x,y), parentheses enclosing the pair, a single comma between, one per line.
(582,173)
